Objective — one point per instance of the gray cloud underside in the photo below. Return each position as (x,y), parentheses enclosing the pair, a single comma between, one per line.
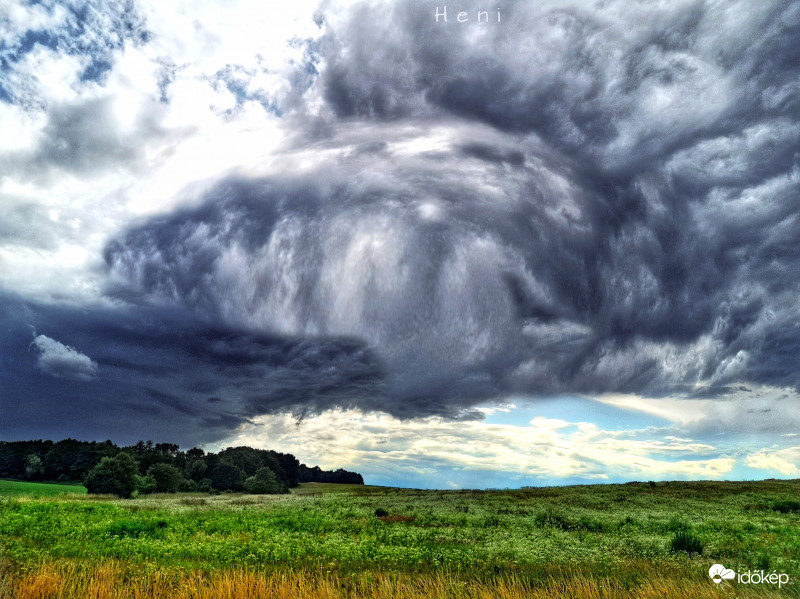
(159,374)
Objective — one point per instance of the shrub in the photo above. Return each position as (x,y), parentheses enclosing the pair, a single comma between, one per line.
(588,524)
(264,482)
(132,529)
(556,520)
(626,521)
(552,519)
(676,524)
(491,520)
(786,507)
(113,476)
(168,478)
(146,484)
(686,542)
(188,486)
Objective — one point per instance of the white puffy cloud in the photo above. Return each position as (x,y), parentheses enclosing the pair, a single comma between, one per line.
(783,461)
(62,361)
(191,91)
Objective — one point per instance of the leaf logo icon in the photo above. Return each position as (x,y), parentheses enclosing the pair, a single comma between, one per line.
(718,573)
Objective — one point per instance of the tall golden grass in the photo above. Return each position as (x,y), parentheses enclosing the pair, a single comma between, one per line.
(116,580)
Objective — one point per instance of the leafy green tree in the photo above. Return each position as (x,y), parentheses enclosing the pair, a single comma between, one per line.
(264,481)
(249,460)
(33,467)
(168,478)
(14,455)
(71,460)
(170,449)
(188,486)
(114,476)
(195,469)
(288,467)
(146,484)
(227,477)
(316,475)
(147,454)
(195,453)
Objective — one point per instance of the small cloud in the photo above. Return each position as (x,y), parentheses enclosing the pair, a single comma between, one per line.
(491,410)
(783,461)
(62,361)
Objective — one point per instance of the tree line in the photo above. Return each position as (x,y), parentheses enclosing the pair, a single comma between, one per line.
(145,467)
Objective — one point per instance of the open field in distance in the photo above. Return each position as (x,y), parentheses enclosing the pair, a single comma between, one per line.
(13,487)
(633,540)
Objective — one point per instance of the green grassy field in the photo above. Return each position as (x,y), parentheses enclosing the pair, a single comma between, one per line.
(629,535)
(13,487)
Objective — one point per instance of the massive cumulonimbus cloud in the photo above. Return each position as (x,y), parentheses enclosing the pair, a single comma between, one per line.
(432,273)
(608,206)
(581,198)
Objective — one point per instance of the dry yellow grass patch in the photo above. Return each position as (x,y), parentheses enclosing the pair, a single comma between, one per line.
(115,580)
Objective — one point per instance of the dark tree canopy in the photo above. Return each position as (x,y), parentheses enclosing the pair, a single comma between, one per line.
(247,459)
(168,478)
(227,477)
(317,475)
(159,467)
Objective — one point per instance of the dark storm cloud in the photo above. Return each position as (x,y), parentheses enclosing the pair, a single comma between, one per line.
(142,373)
(523,292)
(613,208)
(587,80)
(443,300)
